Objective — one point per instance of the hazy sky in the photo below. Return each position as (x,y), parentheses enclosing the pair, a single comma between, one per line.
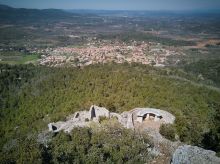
(116,4)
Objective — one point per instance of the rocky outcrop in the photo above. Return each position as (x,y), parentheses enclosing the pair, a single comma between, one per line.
(147,120)
(96,112)
(80,119)
(194,155)
(126,119)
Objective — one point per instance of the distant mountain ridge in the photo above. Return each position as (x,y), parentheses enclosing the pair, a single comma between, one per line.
(5,7)
(22,15)
(10,15)
(145,13)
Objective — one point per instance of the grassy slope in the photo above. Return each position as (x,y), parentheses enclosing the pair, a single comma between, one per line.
(15,57)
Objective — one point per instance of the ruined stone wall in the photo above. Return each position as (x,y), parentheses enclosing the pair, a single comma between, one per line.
(167,117)
(83,118)
(96,112)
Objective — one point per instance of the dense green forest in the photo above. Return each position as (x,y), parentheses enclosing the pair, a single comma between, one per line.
(206,70)
(109,144)
(32,96)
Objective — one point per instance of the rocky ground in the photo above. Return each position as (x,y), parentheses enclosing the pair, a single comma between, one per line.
(166,151)
(188,154)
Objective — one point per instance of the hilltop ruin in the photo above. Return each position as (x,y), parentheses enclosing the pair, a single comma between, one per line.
(130,119)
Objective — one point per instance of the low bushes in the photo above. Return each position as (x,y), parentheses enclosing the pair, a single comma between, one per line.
(168,131)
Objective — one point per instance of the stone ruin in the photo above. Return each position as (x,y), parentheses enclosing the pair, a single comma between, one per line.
(80,119)
(132,120)
(128,119)
(142,114)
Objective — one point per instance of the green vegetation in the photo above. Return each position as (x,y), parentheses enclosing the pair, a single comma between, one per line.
(206,70)
(102,118)
(195,55)
(31,97)
(110,144)
(168,131)
(13,15)
(138,36)
(15,57)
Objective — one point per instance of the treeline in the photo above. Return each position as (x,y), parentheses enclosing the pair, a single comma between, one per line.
(138,36)
(205,70)
(32,97)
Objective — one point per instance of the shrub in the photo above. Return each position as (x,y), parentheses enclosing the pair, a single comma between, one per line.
(102,118)
(168,131)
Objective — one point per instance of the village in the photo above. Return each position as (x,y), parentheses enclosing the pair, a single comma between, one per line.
(104,51)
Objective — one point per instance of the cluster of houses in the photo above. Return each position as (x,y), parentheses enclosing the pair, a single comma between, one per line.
(104,52)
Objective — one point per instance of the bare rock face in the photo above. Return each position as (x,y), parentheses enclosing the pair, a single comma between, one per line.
(194,155)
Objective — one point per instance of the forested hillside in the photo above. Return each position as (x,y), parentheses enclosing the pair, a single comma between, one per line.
(31,97)
(206,70)
(12,15)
